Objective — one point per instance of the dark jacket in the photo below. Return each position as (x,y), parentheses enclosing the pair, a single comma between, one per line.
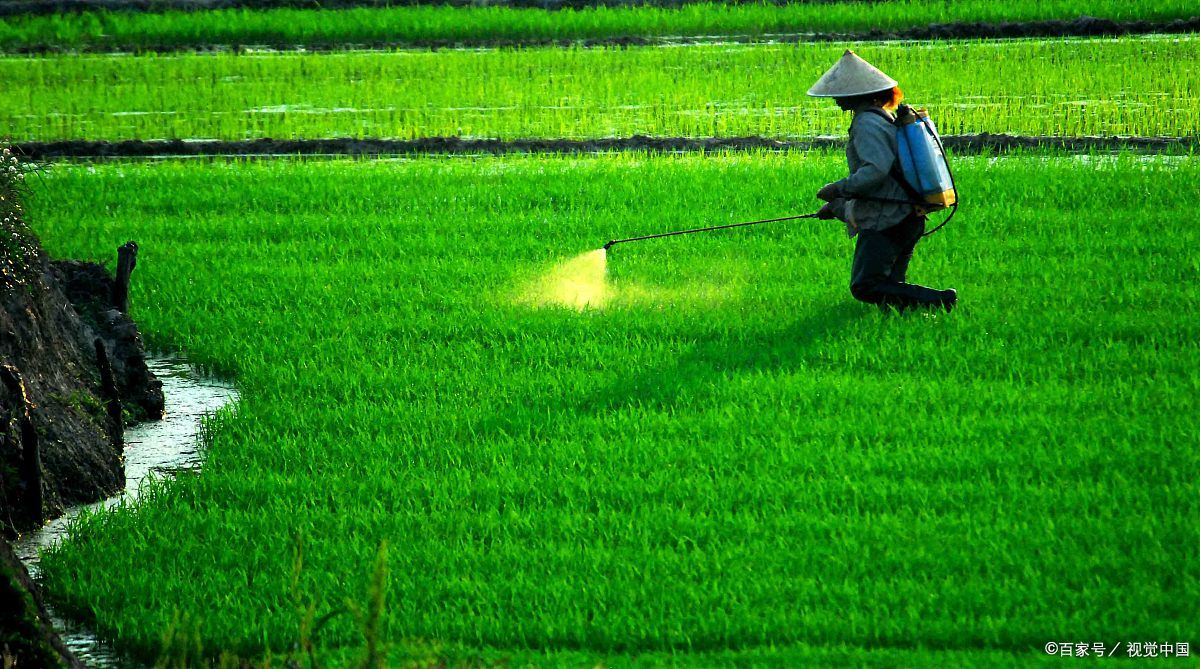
(870,154)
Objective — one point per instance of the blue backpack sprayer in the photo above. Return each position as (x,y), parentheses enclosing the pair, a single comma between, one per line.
(921,168)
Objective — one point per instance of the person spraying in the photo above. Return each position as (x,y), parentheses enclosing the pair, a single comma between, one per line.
(875,201)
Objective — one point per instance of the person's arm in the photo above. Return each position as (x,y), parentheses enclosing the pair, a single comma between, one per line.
(840,209)
(835,208)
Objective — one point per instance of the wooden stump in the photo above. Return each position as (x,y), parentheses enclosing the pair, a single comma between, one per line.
(29,468)
(126,261)
(116,419)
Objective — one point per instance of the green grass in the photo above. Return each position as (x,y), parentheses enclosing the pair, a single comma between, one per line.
(736,464)
(487,25)
(1077,87)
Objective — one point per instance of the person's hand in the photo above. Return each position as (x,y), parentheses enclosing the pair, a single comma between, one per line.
(826,212)
(828,192)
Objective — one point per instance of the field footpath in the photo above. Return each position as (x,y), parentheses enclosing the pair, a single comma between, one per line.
(962,144)
(1084,26)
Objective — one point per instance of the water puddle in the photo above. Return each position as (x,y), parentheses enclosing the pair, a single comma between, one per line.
(162,448)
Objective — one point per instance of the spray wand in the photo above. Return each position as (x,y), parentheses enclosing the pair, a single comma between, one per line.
(715,227)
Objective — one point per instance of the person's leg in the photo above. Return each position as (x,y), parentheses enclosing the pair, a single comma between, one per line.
(905,236)
(905,295)
(881,255)
(874,256)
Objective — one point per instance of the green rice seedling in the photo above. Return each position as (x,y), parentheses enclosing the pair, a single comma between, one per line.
(1073,87)
(441,25)
(743,467)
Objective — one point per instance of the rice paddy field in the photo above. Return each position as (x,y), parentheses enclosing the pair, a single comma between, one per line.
(468,437)
(1138,86)
(440,25)
(728,456)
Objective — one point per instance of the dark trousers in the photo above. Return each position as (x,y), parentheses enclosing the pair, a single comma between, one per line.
(880,266)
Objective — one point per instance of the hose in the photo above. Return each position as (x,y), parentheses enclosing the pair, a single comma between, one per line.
(953,186)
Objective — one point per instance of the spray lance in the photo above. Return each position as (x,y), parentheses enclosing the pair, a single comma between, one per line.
(613,242)
(708,229)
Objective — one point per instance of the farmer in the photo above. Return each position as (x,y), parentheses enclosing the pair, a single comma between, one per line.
(871,201)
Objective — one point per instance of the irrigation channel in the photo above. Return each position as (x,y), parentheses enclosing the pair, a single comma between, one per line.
(160,448)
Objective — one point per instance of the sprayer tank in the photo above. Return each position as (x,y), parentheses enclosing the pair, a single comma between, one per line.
(922,161)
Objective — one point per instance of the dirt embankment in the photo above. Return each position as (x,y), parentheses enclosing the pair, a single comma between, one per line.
(1084,26)
(73,373)
(459,146)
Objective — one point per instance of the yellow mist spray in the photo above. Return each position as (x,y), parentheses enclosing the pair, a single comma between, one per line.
(578,283)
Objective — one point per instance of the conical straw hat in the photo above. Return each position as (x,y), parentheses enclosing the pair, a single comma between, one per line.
(851,76)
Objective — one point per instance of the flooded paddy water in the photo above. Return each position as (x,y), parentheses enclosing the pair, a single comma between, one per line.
(160,448)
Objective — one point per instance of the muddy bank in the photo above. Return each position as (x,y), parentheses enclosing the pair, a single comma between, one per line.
(458,146)
(73,373)
(1083,26)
